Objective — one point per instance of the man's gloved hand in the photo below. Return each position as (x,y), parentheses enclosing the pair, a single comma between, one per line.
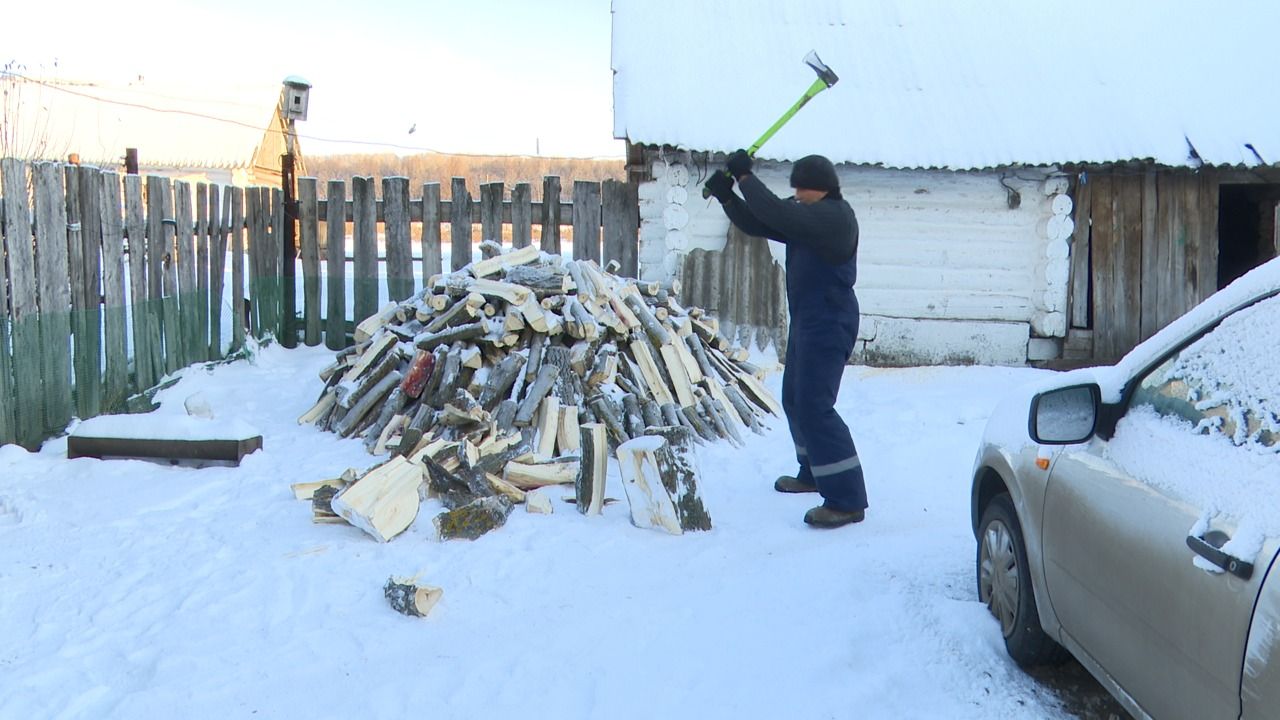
(739,164)
(720,186)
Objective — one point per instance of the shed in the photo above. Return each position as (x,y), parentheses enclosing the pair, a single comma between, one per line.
(1033,181)
(229,134)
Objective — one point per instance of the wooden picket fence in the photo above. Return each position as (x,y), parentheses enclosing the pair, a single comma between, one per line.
(108,283)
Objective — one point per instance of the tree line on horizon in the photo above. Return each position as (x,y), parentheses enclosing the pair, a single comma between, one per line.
(477,169)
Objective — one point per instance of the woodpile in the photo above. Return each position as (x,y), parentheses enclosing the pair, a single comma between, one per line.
(523,371)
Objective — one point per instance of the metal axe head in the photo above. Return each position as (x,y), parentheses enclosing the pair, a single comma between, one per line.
(824,72)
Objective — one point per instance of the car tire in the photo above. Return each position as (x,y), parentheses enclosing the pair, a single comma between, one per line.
(1004,586)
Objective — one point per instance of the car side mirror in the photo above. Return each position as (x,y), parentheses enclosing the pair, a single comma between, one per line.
(1065,416)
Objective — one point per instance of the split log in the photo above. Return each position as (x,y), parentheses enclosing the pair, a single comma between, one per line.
(456,489)
(650,324)
(371,356)
(548,426)
(374,396)
(307,490)
(418,374)
(648,369)
(409,598)
(538,503)
(651,413)
(465,310)
(394,404)
(543,280)
(605,367)
(528,476)
(607,414)
(590,483)
(501,379)
(567,429)
(322,505)
(678,374)
(723,427)
(322,407)
(507,490)
(473,519)
(632,420)
(590,328)
(350,391)
(547,375)
(484,268)
(384,501)
(660,474)
(504,418)
(366,328)
(699,426)
(472,331)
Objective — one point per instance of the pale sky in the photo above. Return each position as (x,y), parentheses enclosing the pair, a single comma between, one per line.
(496,77)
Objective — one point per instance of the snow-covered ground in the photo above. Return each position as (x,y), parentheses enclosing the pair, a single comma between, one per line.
(131,589)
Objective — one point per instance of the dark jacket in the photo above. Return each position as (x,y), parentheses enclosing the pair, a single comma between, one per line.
(822,248)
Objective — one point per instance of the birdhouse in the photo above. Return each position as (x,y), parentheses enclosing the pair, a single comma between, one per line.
(296,93)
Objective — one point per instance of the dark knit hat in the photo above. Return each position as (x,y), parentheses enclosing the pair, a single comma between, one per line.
(814,172)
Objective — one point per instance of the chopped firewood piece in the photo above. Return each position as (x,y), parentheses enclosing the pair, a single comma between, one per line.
(409,598)
(384,501)
(538,503)
(528,476)
(659,474)
(474,519)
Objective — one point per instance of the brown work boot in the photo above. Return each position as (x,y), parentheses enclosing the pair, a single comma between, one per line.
(789,484)
(826,517)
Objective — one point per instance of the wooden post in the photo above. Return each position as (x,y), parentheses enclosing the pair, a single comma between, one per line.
(364,213)
(200,350)
(432,260)
(309,236)
(131,161)
(621,220)
(459,225)
(218,267)
(79,290)
(335,228)
(55,295)
(551,214)
(174,353)
(21,399)
(521,215)
(113,294)
(395,213)
(239,316)
(586,220)
(491,212)
(286,234)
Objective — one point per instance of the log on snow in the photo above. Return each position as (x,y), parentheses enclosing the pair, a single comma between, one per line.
(660,476)
(384,501)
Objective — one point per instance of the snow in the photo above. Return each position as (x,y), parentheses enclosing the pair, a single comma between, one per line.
(165,425)
(134,589)
(967,85)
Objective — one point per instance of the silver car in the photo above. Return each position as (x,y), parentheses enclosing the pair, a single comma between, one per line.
(1130,514)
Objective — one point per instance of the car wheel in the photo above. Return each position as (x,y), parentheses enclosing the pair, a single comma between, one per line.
(1004,584)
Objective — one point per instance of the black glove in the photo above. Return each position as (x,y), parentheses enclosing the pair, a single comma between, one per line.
(739,164)
(720,186)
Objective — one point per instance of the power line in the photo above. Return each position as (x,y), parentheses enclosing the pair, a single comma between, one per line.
(229,121)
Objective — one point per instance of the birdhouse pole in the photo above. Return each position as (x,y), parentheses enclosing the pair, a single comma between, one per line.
(293,106)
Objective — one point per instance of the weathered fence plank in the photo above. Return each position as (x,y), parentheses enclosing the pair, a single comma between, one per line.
(79,290)
(236,294)
(586,220)
(521,215)
(88,379)
(335,228)
(27,419)
(621,226)
(175,354)
(459,225)
(219,225)
(309,246)
(153,307)
(114,295)
(491,212)
(551,214)
(200,349)
(432,257)
(395,199)
(366,248)
(255,218)
(145,371)
(282,323)
(189,329)
(55,295)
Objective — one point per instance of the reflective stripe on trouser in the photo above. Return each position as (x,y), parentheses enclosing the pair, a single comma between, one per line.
(810,383)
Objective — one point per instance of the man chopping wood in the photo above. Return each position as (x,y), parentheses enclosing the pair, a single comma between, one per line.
(820,232)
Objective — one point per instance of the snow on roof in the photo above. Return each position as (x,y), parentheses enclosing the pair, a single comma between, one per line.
(983,83)
(171,124)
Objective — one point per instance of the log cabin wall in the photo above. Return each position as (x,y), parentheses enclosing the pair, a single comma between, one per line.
(953,267)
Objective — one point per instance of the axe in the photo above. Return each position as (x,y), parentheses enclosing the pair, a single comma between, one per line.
(826,78)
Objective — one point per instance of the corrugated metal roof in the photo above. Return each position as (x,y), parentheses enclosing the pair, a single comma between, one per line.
(961,85)
(171,125)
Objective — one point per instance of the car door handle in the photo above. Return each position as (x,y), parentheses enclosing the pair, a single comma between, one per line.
(1209,548)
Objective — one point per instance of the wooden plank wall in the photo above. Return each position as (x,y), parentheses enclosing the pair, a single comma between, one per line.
(123,280)
(1151,253)
(742,286)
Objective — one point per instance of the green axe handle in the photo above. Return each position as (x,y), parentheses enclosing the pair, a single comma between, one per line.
(818,86)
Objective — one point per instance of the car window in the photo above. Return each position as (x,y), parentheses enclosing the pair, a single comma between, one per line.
(1227,382)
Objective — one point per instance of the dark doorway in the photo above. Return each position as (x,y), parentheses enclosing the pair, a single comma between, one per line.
(1246,228)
